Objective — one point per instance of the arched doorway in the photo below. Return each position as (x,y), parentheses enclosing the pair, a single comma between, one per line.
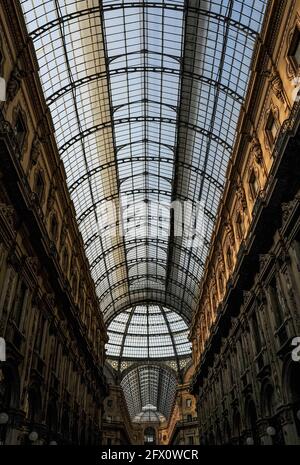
(251,421)
(268,410)
(34,405)
(292,389)
(236,428)
(9,397)
(149,435)
(218,435)
(65,425)
(226,432)
(52,420)
(211,439)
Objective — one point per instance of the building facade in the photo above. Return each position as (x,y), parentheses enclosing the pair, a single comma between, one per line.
(244,333)
(118,428)
(52,384)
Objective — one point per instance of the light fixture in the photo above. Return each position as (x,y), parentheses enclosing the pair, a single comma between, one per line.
(271,431)
(3,418)
(249,441)
(33,436)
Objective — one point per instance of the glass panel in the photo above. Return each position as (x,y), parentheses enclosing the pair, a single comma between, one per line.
(145,99)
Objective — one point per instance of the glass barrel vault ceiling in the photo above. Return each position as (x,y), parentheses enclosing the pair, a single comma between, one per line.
(148,386)
(145,97)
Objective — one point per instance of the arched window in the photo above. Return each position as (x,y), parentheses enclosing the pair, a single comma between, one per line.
(236,432)
(268,401)
(34,404)
(20,130)
(229,257)
(65,424)
(253,184)
(221,283)
(65,260)
(52,417)
(251,419)
(75,285)
(20,303)
(53,227)
(278,303)
(240,226)
(39,185)
(256,333)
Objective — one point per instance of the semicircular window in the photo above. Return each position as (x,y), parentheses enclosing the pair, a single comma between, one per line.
(148,331)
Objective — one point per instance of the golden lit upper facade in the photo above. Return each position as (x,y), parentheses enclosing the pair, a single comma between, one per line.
(272,97)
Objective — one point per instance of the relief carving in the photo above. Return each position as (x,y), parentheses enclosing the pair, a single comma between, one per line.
(14,83)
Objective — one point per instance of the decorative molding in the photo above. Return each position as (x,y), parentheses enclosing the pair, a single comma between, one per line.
(14,83)
(229,232)
(277,86)
(35,150)
(7,212)
(241,196)
(256,150)
(51,195)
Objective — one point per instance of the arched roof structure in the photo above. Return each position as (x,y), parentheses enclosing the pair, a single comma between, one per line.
(145,98)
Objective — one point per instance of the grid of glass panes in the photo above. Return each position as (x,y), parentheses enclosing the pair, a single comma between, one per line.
(149,385)
(148,331)
(139,111)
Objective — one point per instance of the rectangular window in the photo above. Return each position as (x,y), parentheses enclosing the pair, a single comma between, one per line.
(39,186)
(229,257)
(39,336)
(278,304)
(254,186)
(188,402)
(21,298)
(20,131)
(271,128)
(294,50)
(256,333)
(240,227)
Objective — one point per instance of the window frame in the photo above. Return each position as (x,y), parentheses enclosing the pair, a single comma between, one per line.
(294,45)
